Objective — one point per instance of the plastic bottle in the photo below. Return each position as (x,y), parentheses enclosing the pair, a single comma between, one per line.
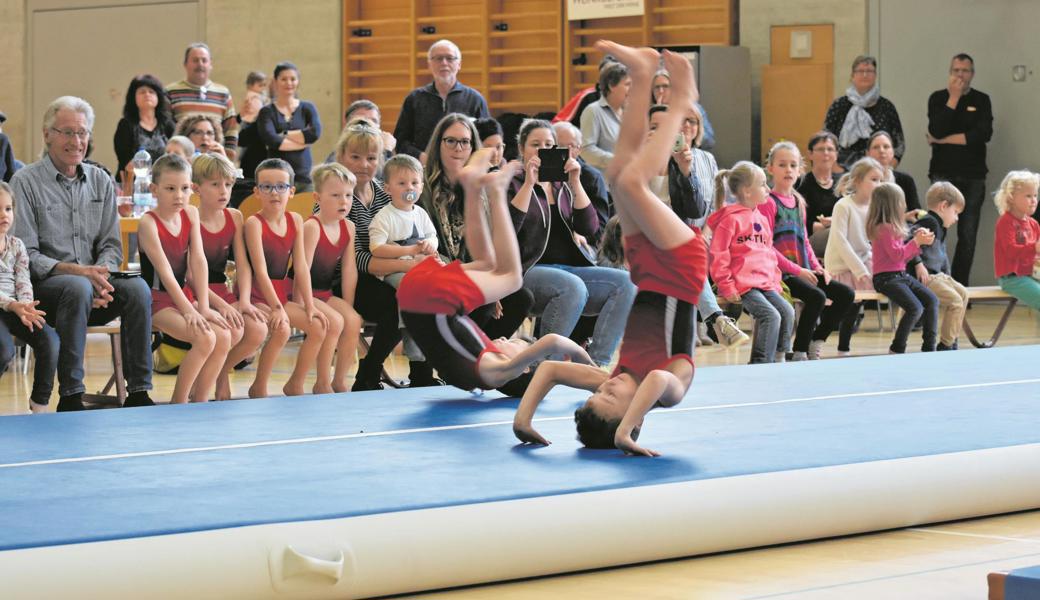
(143,200)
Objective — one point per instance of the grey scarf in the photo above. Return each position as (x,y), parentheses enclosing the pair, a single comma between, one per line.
(858,124)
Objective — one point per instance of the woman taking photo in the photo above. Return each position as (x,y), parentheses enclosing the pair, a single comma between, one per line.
(289,126)
(553,222)
(147,123)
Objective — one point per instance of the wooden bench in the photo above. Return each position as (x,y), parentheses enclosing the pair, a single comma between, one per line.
(982,294)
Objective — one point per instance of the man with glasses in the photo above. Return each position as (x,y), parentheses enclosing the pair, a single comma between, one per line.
(568,136)
(197,94)
(960,123)
(424,107)
(67,218)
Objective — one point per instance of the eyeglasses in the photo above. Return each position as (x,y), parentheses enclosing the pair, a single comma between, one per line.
(203,133)
(455,143)
(690,123)
(445,58)
(276,188)
(661,86)
(864,71)
(82,134)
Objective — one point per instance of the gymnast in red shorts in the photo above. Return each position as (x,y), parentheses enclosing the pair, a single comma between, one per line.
(668,263)
(435,298)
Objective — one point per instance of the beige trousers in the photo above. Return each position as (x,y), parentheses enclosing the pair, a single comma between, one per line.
(953,301)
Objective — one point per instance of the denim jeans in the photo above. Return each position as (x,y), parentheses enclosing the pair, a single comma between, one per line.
(974,191)
(44,343)
(774,319)
(67,301)
(707,304)
(917,302)
(563,293)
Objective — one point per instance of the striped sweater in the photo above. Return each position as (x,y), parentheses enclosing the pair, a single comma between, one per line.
(362,217)
(212,98)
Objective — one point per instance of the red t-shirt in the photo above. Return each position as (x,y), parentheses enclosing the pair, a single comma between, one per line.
(436,289)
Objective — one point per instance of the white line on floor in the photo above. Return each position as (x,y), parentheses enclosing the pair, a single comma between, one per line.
(368,434)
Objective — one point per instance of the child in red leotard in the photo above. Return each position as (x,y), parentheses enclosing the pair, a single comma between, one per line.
(328,240)
(435,298)
(212,176)
(171,242)
(273,240)
(668,264)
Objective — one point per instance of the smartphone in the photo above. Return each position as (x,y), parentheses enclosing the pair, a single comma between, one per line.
(553,160)
(124,274)
(680,143)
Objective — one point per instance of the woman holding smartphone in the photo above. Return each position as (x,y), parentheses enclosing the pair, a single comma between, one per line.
(553,220)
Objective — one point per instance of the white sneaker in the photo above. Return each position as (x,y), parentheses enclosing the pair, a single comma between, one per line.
(780,357)
(703,339)
(728,332)
(35,408)
(799,357)
(815,347)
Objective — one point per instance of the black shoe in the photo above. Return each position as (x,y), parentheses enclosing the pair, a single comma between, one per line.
(420,374)
(71,403)
(365,385)
(138,399)
(941,347)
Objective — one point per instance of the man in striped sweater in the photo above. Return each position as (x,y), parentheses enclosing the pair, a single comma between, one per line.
(197,94)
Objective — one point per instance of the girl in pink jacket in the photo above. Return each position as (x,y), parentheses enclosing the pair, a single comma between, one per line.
(743,264)
(886,228)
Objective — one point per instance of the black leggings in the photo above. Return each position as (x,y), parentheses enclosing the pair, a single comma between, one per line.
(814,307)
(376,302)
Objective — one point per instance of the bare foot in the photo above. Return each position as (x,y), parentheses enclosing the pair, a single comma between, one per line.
(223,391)
(472,174)
(684,84)
(257,391)
(340,387)
(641,62)
(291,389)
(322,389)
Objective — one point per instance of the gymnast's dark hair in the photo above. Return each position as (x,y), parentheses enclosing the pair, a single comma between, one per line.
(596,432)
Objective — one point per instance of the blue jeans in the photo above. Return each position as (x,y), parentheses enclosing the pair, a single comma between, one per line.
(917,302)
(44,343)
(707,304)
(67,301)
(774,320)
(563,293)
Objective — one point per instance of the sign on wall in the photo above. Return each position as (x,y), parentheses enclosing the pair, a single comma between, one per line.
(598,9)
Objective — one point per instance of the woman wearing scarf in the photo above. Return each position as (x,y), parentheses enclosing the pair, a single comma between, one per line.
(855,116)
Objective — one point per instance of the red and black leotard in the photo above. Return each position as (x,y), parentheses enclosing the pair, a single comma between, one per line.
(218,248)
(326,258)
(662,323)
(434,300)
(277,254)
(175,247)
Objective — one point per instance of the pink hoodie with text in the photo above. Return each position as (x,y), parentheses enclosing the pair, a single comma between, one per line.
(742,256)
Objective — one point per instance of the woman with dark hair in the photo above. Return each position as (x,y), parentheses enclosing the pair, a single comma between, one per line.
(818,188)
(861,112)
(453,141)
(204,130)
(880,148)
(491,136)
(147,122)
(289,126)
(553,222)
(601,122)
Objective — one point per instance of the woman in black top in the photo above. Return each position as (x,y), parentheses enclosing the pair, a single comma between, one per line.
(289,126)
(817,187)
(880,149)
(147,122)
(861,112)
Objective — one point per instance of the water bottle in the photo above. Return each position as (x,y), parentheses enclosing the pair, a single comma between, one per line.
(143,200)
